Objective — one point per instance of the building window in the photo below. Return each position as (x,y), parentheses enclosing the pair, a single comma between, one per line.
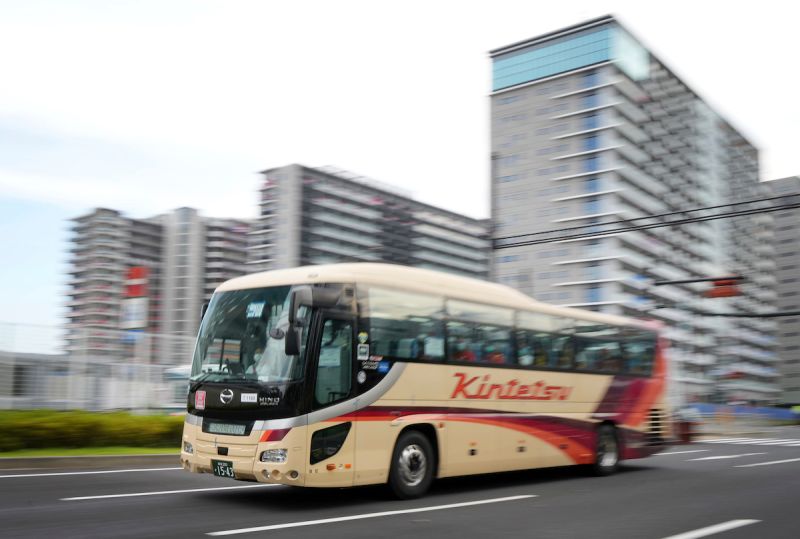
(591,206)
(590,100)
(591,143)
(593,294)
(592,78)
(590,121)
(591,164)
(591,185)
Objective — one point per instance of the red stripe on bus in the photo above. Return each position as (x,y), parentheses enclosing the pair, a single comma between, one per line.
(275,435)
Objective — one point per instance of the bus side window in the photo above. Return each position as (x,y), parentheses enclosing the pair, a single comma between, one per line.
(334,369)
(532,348)
(562,352)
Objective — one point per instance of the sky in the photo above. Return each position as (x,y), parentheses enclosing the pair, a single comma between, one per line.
(146,106)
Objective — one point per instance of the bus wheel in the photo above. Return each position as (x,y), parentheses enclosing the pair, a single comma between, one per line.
(411,472)
(607,451)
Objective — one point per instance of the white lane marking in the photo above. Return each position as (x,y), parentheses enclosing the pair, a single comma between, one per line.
(727,456)
(711,530)
(766,463)
(369,515)
(161,492)
(89,473)
(681,452)
(778,442)
(724,440)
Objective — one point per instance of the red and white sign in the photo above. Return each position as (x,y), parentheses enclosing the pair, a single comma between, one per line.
(136,282)
(200,400)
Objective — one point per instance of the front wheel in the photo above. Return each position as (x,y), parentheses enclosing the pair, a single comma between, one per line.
(606,451)
(411,472)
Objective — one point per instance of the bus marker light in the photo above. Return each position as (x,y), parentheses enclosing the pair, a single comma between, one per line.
(294,474)
(348,466)
(330,467)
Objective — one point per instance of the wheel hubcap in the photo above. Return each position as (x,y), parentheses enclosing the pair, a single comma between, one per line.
(412,465)
(607,449)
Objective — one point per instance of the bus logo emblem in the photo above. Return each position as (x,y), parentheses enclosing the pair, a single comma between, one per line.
(226,396)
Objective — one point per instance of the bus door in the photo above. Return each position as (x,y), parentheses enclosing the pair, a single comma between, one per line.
(331,440)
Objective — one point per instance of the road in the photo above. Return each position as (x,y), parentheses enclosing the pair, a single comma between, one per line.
(744,487)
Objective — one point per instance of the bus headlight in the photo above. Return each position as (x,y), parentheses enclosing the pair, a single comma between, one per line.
(276,456)
(187,447)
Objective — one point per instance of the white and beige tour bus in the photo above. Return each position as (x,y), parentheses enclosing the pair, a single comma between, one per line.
(357,374)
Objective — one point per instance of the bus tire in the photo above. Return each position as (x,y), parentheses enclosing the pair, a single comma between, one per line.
(607,450)
(413,464)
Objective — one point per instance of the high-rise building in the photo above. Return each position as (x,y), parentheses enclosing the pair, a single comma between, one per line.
(200,253)
(326,215)
(787,273)
(169,263)
(590,127)
(105,246)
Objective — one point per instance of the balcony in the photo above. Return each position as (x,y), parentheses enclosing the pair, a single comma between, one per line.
(642,180)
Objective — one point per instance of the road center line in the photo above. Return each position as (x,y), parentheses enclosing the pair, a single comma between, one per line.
(369,515)
(132,494)
(727,456)
(711,530)
(680,452)
(766,463)
(51,474)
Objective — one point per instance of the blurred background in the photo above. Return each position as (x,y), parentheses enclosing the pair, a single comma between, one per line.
(629,164)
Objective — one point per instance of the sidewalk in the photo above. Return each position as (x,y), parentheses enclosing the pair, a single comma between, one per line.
(32,464)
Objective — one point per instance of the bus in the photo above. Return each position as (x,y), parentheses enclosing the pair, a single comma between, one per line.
(354,374)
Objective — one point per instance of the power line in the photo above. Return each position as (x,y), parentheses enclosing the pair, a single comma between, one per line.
(659,215)
(594,234)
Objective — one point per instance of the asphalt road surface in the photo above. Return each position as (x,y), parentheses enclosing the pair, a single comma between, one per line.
(726,488)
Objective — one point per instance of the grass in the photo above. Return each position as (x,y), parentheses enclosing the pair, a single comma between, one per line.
(89,451)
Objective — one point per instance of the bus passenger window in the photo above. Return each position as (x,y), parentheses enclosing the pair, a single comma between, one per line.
(562,353)
(461,351)
(639,355)
(493,355)
(402,324)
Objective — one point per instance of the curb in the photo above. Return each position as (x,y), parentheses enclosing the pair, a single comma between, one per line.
(89,462)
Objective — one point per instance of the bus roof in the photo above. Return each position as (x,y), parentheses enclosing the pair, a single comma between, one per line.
(418,280)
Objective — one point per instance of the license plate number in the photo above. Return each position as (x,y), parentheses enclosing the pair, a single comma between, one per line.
(223,468)
(226,428)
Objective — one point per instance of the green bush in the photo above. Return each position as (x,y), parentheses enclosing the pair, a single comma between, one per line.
(34,429)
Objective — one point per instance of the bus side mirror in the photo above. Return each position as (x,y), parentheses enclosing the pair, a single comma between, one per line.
(290,343)
(300,296)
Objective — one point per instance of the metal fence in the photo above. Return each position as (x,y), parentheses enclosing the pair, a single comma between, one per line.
(92,369)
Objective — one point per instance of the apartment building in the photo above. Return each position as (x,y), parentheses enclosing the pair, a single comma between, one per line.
(787,274)
(326,215)
(179,258)
(590,128)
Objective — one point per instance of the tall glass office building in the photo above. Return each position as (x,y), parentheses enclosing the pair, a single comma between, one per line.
(589,127)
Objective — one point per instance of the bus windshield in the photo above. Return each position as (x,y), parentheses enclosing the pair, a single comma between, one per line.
(242,338)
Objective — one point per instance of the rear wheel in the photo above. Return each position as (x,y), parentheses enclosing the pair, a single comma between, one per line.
(413,463)
(606,451)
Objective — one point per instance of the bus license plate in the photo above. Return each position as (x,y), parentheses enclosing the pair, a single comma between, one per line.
(227,428)
(223,468)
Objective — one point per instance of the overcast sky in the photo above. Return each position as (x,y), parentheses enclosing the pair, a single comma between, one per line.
(148,106)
